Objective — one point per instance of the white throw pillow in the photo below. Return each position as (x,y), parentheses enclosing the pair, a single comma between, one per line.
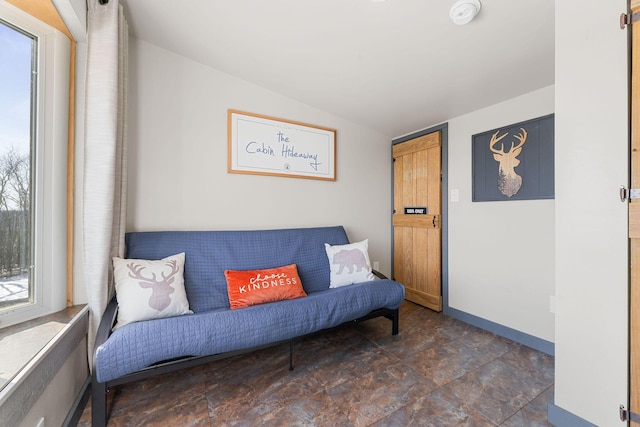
(349,263)
(149,289)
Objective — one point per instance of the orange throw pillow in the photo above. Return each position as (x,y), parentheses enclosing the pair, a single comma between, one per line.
(251,287)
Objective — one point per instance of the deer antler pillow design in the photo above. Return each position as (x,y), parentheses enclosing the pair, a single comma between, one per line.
(149,289)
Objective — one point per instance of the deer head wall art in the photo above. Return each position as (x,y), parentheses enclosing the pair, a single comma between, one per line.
(509,182)
(514,162)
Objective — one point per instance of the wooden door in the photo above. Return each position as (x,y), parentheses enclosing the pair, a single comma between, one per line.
(417,242)
(634,224)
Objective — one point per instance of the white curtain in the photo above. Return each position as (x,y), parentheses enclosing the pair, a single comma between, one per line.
(103,200)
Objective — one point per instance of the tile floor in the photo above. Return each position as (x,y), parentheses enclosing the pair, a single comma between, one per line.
(437,372)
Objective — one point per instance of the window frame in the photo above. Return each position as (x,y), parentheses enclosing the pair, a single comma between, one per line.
(50,169)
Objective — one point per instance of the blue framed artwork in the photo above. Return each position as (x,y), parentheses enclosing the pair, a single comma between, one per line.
(514,162)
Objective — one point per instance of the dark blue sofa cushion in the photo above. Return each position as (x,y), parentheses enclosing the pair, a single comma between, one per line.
(140,344)
(209,253)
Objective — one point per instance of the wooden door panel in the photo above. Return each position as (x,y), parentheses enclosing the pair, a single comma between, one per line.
(434,168)
(421,178)
(402,265)
(420,261)
(408,192)
(418,144)
(422,275)
(417,238)
(434,257)
(398,170)
(423,221)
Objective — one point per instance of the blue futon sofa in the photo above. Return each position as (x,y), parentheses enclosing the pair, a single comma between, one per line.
(145,348)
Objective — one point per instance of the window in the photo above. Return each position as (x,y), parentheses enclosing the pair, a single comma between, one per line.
(18,52)
(34,90)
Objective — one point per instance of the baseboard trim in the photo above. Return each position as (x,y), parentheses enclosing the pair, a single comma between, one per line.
(563,418)
(75,413)
(504,331)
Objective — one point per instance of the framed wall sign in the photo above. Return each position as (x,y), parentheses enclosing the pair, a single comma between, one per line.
(514,162)
(263,145)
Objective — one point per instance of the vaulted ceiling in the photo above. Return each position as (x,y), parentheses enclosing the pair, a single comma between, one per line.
(395,66)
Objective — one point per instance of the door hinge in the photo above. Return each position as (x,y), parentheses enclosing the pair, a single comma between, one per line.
(629,193)
(626,415)
(628,19)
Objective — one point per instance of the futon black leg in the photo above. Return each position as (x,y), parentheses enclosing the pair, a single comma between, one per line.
(291,355)
(395,319)
(98,403)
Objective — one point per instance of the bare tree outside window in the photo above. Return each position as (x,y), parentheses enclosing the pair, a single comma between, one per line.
(17,77)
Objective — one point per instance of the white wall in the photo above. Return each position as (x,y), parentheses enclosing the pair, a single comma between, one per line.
(501,254)
(591,234)
(178,159)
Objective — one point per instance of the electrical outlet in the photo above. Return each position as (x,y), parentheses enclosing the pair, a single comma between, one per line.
(455,195)
(376,265)
(552,304)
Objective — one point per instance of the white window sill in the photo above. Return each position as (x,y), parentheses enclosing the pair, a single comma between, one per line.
(20,343)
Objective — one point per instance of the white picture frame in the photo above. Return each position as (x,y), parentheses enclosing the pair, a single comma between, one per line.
(264,145)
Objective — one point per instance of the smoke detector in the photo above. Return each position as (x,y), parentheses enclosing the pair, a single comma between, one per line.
(463,11)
